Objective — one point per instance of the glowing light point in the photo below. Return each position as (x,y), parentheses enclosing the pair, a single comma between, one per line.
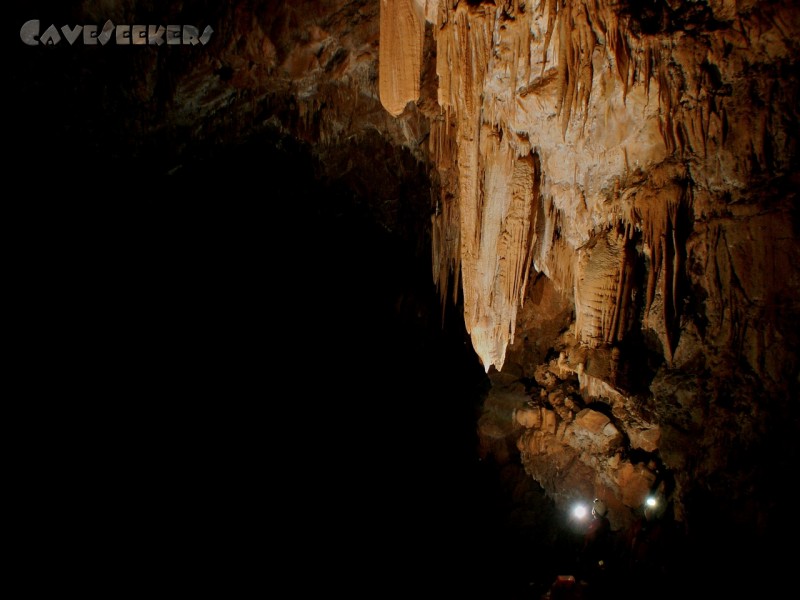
(580,511)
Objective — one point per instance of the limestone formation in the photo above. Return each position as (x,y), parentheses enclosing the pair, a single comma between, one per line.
(606,191)
(633,157)
(400,53)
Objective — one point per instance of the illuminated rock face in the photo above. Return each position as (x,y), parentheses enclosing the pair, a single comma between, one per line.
(600,115)
(637,159)
(400,53)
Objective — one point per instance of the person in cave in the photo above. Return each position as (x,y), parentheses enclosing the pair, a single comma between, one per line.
(596,550)
(648,542)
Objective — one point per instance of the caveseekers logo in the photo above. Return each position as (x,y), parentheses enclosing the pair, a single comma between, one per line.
(122,35)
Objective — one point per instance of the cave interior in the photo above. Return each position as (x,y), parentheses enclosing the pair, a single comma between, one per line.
(329,305)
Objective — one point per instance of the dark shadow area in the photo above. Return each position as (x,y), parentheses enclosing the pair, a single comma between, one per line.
(235,378)
(232,379)
(248,377)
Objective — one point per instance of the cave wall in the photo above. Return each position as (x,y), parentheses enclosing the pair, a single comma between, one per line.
(607,190)
(642,160)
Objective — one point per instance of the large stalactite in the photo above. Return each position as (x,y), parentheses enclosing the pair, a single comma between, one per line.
(595,83)
(608,147)
(400,53)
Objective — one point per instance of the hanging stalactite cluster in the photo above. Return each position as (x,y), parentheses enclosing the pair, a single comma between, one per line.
(558,95)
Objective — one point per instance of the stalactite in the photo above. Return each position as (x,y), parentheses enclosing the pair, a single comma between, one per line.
(584,43)
(402,31)
(612,334)
(445,217)
(551,6)
(665,105)
(464,43)
(662,212)
(493,257)
(598,283)
(486,92)
(566,84)
(535,201)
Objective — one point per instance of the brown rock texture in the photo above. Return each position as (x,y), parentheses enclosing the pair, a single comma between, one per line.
(632,156)
(608,190)
(400,53)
